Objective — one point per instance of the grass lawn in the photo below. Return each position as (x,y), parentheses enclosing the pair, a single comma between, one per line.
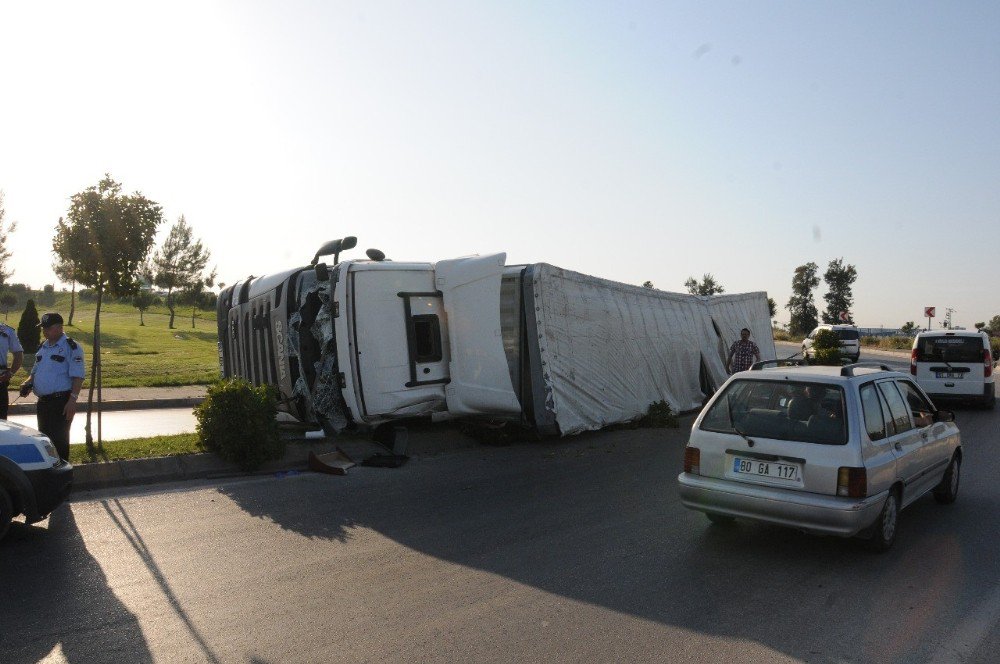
(137,448)
(134,355)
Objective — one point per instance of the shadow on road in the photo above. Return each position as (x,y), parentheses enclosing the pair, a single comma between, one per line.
(598,520)
(53,594)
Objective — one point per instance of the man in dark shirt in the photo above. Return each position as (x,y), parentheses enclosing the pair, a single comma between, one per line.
(742,353)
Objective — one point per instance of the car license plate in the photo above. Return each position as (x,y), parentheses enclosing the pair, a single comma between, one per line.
(769,469)
(948,374)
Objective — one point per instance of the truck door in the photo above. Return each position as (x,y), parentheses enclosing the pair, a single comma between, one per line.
(480,376)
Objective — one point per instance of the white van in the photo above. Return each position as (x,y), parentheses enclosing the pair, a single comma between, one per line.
(954,364)
(850,341)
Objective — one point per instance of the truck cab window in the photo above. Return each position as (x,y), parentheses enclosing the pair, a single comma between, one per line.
(427,338)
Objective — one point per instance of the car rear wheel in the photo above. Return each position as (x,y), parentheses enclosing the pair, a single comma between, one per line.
(719,519)
(6,512)
(884,529)
(947,491)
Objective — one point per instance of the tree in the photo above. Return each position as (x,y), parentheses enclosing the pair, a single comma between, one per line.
(839,296)
(28,332)
(708,285)
(142,300)
(648,284)
(7,300)
(178,265)
(909,328)
(980,326)
(66,273)
(772,307)
(804,316)
(994,326)
(5,231)
(197,297)
(107,236)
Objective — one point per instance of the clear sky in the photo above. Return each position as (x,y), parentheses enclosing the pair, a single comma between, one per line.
(628,140)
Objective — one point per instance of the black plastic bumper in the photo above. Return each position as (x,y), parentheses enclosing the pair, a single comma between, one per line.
(52,486)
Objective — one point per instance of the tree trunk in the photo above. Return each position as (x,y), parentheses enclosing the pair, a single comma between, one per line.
(170,305)
(141,321)
(72,303)
(193,311)
(95,377)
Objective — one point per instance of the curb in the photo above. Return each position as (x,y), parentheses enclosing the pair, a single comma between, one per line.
(123,404)
(135,472)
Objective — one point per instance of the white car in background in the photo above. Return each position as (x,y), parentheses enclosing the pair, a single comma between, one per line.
(828,450)
(955,365)
(850,341)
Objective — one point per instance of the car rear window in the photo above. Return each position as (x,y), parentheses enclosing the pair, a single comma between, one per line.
(798,411)
(847,335)
(950,349)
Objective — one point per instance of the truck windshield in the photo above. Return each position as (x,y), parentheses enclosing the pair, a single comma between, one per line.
(799,411)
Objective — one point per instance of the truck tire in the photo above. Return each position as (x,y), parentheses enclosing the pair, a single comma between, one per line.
(6,512)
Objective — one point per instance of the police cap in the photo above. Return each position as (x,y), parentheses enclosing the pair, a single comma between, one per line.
(50,319)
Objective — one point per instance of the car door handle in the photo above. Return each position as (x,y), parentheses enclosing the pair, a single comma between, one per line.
(899,448)
(923,434)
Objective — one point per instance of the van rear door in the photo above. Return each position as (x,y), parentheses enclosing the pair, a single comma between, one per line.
(480,375)
(950,364)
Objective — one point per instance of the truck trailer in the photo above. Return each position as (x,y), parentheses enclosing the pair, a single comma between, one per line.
(362,343)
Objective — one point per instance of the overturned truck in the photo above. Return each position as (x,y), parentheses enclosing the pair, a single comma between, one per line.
(362,343)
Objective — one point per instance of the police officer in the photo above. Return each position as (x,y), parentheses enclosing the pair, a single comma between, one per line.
(9,345)
(56,378)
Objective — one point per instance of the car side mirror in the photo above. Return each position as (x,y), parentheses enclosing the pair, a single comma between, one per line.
(944,416)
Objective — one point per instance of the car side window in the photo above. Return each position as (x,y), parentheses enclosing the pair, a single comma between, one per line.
(871,406)
(920,408)
(898,410)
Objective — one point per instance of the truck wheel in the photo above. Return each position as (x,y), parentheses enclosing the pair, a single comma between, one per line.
(947,491)
(884,528)
(6,512)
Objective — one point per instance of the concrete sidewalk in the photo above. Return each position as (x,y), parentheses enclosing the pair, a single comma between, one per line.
(124,398)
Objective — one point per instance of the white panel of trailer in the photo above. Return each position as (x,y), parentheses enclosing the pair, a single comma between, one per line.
(609,349)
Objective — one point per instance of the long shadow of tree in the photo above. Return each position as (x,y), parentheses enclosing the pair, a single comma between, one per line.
(53,593)
(563,518)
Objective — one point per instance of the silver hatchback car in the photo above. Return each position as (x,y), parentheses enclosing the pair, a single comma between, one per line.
(831,450)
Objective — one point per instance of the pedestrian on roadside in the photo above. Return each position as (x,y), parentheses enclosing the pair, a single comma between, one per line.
(742,353)
(56,378)
(9,345)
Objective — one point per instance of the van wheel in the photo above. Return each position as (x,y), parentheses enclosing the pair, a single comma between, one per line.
(6,512)
(884,528)
(947,491)
(719,519)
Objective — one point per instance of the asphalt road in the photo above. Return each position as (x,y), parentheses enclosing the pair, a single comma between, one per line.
(570,551)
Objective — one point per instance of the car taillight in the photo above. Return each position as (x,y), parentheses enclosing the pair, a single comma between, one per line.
(987,363)
(692,460)
(913,362)
(852,482)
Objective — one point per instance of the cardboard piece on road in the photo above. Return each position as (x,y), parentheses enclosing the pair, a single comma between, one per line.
(334,463)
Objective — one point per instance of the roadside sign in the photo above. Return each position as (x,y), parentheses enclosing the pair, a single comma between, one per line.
(929,312)
(844,318)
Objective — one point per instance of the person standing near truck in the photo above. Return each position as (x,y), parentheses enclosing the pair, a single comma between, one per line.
(742,353)
(9,345)
(56,378)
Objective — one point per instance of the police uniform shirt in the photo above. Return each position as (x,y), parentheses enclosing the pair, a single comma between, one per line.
(56,366)
(9,343)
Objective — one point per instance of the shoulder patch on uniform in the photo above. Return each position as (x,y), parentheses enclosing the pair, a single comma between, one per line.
(72,344)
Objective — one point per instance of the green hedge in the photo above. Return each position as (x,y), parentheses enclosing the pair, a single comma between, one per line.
(238,421)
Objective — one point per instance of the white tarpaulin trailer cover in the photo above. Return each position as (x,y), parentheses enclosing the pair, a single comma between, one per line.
(607,350)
